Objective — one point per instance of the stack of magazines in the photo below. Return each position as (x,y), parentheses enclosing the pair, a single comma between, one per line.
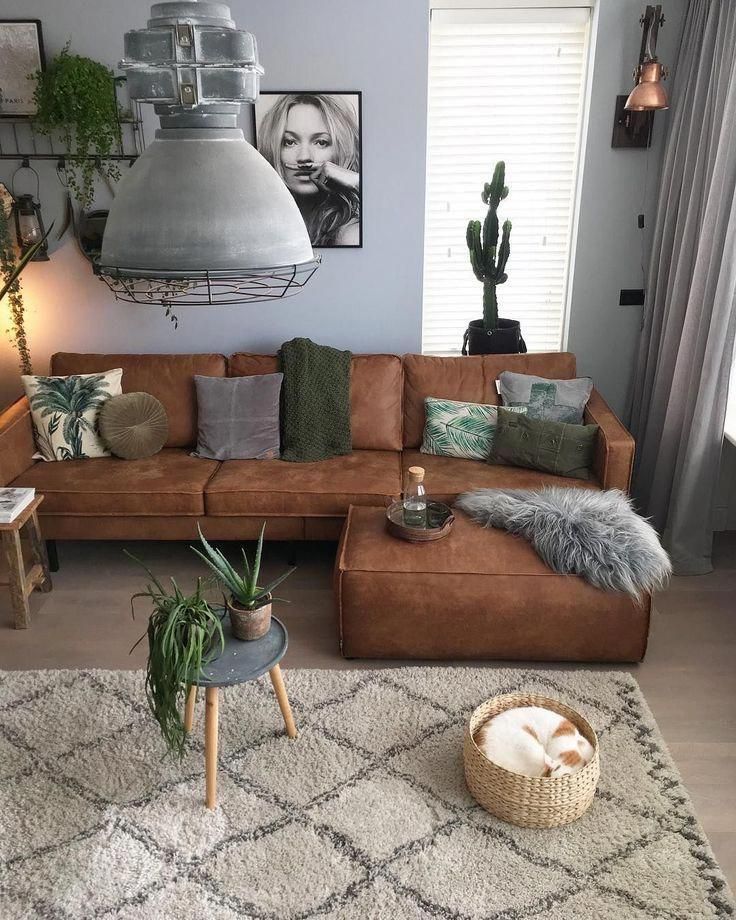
(13,501)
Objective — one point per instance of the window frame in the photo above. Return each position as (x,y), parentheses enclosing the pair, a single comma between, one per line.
(513,6)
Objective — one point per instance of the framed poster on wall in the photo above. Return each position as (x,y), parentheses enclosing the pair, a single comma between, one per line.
(21,55)
(313,141)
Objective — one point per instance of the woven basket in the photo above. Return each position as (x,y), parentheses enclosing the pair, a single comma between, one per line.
(529,801)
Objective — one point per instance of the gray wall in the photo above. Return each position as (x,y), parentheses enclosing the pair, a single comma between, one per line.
(617,185)
(365,299)
(369,299)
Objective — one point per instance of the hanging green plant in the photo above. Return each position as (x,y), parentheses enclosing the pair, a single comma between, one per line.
(10,270)
(75,100)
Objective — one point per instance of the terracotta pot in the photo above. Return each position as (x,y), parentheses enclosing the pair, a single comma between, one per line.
(249,624)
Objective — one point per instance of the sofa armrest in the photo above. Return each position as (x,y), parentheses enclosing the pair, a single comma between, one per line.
(17,445)
(614,449)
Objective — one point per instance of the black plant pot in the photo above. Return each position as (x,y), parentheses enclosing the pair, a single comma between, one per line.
(505,339)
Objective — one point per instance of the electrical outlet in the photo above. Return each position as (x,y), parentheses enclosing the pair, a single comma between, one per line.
(631,297)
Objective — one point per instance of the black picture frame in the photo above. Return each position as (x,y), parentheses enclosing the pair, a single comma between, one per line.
(266,100)
(16,69)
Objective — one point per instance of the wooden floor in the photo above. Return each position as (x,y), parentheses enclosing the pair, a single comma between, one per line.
(688,678)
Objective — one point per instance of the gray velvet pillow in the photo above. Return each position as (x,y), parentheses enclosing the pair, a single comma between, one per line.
(552,400)
(238,417)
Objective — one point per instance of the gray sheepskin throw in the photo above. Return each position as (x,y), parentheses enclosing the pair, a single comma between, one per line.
(579,532)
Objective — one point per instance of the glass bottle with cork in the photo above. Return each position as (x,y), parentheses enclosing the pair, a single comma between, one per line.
(415,498)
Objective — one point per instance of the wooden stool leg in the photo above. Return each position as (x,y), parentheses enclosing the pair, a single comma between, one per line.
(38,552)
(278,685)
(210,744)
(189,708)
(17,578)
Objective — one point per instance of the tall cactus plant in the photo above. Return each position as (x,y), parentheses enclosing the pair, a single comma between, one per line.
(486,256)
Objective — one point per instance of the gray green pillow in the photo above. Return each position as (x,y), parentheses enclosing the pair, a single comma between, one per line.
(556,400)
(238,417)
(459,429)
(539,444)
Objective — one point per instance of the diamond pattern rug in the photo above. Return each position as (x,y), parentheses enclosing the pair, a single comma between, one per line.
(364,815)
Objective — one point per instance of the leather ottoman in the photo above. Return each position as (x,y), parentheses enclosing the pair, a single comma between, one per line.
(477,594)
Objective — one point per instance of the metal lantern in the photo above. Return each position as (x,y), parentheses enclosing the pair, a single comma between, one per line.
(29,228)
(201,217)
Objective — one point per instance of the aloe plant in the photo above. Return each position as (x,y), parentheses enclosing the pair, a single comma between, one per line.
(487,258)
(244,587)
(184,634)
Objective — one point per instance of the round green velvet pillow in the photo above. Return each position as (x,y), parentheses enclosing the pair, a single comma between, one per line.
(133,425)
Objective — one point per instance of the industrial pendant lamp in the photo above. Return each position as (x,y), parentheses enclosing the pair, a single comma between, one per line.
(649,94)
(201,217)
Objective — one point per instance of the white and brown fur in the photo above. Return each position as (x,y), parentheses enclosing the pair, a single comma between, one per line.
(534,741)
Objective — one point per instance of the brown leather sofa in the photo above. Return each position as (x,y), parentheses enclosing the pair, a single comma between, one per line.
(165,496)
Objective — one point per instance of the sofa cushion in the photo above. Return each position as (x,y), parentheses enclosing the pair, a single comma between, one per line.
(238,417)
(169,482)
(170,378)
(553,400)
(446,477)
(468,379)
(375,395)
(327,487)
(66,413)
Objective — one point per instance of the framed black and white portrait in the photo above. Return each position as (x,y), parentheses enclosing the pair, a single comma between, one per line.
(21,55)
(313,141)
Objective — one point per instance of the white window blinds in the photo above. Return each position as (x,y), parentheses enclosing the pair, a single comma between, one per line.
(503,85)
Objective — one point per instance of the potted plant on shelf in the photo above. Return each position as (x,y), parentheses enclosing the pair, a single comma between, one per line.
(76,101)
(249,604)
(491,335)
(184,634)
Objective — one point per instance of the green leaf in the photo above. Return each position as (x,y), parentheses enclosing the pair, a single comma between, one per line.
(25,259)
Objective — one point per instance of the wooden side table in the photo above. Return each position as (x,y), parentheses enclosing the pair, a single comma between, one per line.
(22,582)
(238,663)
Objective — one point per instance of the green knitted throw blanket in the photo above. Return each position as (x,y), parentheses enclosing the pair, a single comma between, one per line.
(315,401)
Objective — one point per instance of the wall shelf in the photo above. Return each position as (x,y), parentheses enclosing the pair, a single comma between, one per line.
(20,142)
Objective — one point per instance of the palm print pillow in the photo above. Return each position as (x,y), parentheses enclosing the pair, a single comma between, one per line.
(65,410)
(459,429)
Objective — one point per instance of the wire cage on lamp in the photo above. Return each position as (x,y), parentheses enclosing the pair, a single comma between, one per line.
(201,218)
(209,288)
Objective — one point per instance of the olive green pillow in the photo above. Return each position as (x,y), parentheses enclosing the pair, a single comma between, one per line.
(538,444)
(133,425)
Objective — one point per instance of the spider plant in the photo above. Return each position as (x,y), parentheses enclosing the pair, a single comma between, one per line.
(245,590)
(184,634)
(250,603)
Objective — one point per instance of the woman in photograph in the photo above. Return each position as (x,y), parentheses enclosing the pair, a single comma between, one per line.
(311,140)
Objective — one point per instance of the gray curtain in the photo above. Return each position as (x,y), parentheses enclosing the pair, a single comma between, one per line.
(681,382)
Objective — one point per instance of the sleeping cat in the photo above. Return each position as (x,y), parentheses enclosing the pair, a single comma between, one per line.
(534,741)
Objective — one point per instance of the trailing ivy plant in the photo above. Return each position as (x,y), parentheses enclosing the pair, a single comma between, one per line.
(10,270)
(75,100)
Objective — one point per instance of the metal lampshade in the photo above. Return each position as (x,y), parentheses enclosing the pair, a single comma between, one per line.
(201,217)
(648,94)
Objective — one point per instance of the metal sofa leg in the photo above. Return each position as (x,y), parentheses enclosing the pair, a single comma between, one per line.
(53,555)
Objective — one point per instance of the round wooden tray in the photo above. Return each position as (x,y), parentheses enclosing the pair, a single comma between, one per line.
(440,519)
